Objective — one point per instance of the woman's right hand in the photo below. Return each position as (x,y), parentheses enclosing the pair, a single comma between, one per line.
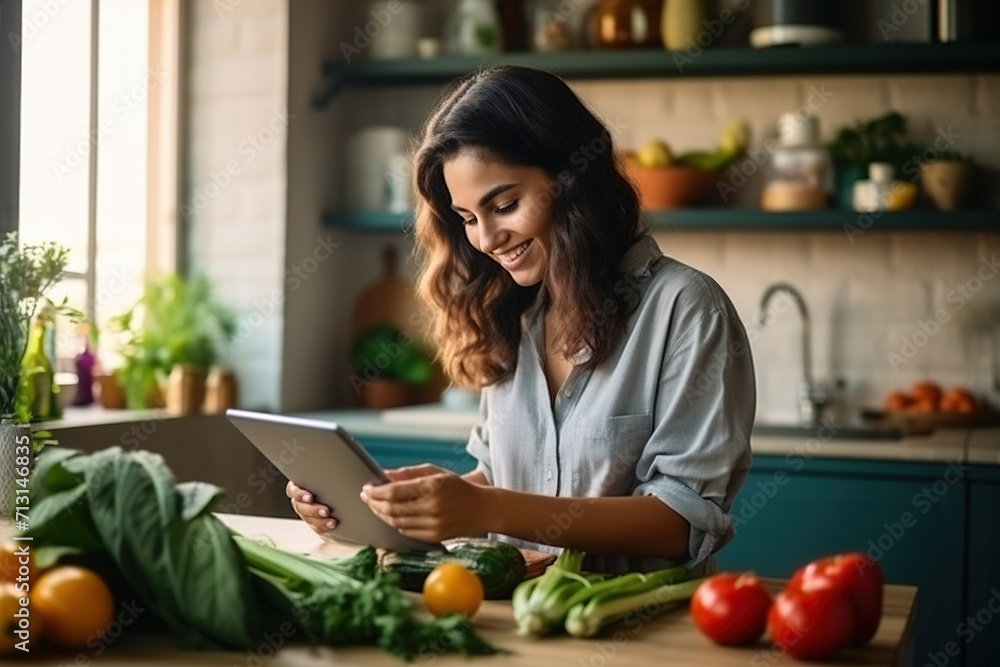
(319,517)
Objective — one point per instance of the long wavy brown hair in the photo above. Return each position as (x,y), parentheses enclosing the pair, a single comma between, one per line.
(522,117)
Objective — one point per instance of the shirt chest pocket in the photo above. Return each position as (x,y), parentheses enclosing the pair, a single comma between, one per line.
(603,453)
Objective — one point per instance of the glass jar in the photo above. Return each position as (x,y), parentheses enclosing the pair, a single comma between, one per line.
(623,24)
(800,173)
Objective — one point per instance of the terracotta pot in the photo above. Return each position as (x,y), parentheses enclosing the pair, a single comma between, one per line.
(673,187)
(109,393)
(948,183)
(384,394)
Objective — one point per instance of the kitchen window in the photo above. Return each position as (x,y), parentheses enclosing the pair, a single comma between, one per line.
(98,156)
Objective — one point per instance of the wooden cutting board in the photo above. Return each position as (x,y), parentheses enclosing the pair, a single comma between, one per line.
(389,300)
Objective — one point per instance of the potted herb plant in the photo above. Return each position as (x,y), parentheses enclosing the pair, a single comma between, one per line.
(175,322)
(390,367)
(27,273)
(882,139)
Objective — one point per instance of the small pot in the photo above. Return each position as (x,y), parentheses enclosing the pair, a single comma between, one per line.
(185,390)
(109,392)
(382,394)
(948,183)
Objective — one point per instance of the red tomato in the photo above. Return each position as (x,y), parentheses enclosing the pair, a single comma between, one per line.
(856,574)
(811,625)
(731,608)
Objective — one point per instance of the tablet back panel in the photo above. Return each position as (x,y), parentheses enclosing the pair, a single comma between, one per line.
(323,458)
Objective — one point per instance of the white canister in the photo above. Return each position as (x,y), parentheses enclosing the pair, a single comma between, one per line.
(394,27)
(372,161)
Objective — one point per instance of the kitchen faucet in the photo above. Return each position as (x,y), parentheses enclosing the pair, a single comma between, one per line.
(812,397)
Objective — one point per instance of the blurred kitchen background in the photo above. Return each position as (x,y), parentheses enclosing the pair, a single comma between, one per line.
(231,179)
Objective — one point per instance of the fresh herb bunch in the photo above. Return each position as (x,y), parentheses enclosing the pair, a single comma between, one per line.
(27,272)
(174,322)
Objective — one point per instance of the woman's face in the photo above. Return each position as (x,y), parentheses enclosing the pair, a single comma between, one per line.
(507,212)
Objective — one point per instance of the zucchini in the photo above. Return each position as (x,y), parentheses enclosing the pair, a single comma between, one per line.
(500,566)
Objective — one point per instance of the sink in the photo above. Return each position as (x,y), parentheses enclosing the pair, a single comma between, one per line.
(832,432)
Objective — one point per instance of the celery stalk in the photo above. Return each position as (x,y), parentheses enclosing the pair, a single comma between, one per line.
(601,610)
(540,604)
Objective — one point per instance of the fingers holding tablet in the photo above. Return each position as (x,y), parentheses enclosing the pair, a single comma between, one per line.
(319,517)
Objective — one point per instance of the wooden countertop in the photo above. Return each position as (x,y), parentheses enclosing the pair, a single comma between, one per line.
(666,639)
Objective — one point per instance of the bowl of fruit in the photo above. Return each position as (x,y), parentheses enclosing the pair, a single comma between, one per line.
(926,406)
(665,180)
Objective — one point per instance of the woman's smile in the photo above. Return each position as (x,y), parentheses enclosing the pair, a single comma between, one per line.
(514,258)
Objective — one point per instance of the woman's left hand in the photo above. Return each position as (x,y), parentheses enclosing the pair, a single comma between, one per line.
(428,503)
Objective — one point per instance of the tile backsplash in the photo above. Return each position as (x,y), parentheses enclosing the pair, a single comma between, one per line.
(887,310)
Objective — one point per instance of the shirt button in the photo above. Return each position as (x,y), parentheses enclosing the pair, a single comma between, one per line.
(548,474)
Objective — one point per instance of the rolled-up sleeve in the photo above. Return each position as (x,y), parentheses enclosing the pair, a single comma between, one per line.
(479,440)
(698,455)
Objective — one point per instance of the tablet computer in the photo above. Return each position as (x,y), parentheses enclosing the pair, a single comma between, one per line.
(322,457)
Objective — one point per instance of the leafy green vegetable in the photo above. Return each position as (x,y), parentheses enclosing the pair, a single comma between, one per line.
(540,604)
(209,587)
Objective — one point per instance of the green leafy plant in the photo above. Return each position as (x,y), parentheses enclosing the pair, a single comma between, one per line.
(386,352)
(882,139)
(174,322)
(27,272)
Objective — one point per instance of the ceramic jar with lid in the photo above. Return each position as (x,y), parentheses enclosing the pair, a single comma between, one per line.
(800,172)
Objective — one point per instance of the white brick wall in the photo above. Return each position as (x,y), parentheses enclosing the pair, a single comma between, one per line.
(236,223)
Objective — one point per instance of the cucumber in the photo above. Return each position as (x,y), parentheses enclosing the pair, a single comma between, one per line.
(499,565)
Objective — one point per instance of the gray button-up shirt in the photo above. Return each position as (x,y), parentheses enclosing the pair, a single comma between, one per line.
(668,414)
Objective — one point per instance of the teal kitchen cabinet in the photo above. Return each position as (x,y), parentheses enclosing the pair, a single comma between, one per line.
(980,628)
(908,516)
(393,452)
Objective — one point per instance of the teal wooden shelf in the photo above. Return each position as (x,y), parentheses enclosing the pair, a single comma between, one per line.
(728,219)
(369,221)
(657,63)
(748,219)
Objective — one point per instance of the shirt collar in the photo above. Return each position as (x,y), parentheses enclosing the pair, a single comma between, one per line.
(638,259)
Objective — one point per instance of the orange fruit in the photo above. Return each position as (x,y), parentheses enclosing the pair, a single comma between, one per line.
(927,395)
(896,400)
(10,563)
(451,587)
(959,399)
(75,606)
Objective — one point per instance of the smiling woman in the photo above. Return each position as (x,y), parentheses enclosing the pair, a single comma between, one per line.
(615,415)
